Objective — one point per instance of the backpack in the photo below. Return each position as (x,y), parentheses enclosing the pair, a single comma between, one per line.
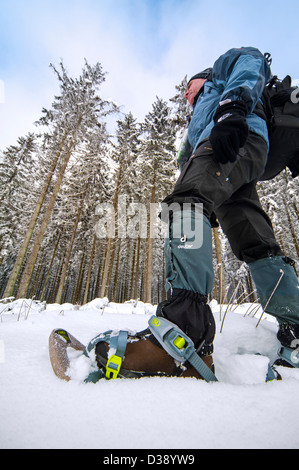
(280,109)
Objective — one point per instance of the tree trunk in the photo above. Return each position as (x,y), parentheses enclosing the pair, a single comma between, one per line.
(132,270)
(23,250)
(76,295)
(222,285)
(50,267)
(85,298)
(69,251)
(291,226)
(137,269)
(107,260)
(149,255)
(25,281)
(115,283)
(52,295)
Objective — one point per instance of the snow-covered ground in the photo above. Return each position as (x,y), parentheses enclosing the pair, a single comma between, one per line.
(37,410)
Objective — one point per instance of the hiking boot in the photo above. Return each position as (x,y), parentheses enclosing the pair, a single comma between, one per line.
(144,357)
(288,335)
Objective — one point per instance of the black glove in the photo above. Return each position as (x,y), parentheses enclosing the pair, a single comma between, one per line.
(230,131)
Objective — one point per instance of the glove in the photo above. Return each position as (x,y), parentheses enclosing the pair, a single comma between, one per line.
(230,131)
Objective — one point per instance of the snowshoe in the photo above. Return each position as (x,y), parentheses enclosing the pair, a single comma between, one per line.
(161,350)
(59,341)
(146,357)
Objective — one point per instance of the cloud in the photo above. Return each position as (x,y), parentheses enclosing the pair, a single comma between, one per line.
(124,40)
(146,46)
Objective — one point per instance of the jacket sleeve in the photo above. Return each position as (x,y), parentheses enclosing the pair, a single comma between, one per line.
(241,74)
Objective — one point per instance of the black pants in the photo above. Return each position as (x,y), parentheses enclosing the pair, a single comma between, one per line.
(229,191)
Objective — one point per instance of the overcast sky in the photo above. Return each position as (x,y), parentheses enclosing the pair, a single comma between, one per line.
(145,46)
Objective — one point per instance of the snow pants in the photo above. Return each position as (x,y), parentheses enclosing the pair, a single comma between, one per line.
(229,192)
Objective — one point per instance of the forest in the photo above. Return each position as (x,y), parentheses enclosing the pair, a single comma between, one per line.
(79,204)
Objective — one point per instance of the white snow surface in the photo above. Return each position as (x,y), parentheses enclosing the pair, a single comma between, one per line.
(241,411)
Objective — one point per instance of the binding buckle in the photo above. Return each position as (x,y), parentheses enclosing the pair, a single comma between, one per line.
(113,367)
(178,345)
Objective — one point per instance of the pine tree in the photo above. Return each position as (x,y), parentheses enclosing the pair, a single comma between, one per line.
(124,155)
(180,107)
(158,169)
(18,184)
(74,114)
(33,221)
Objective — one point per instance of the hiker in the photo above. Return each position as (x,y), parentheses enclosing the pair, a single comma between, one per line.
(229,153)
(229,142)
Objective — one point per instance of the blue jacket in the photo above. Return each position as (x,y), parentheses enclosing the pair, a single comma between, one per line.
(239,74)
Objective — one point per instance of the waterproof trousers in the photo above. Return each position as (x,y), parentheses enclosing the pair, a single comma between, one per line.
(229,191)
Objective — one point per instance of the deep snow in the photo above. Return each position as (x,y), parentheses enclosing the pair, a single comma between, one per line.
(37,410)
